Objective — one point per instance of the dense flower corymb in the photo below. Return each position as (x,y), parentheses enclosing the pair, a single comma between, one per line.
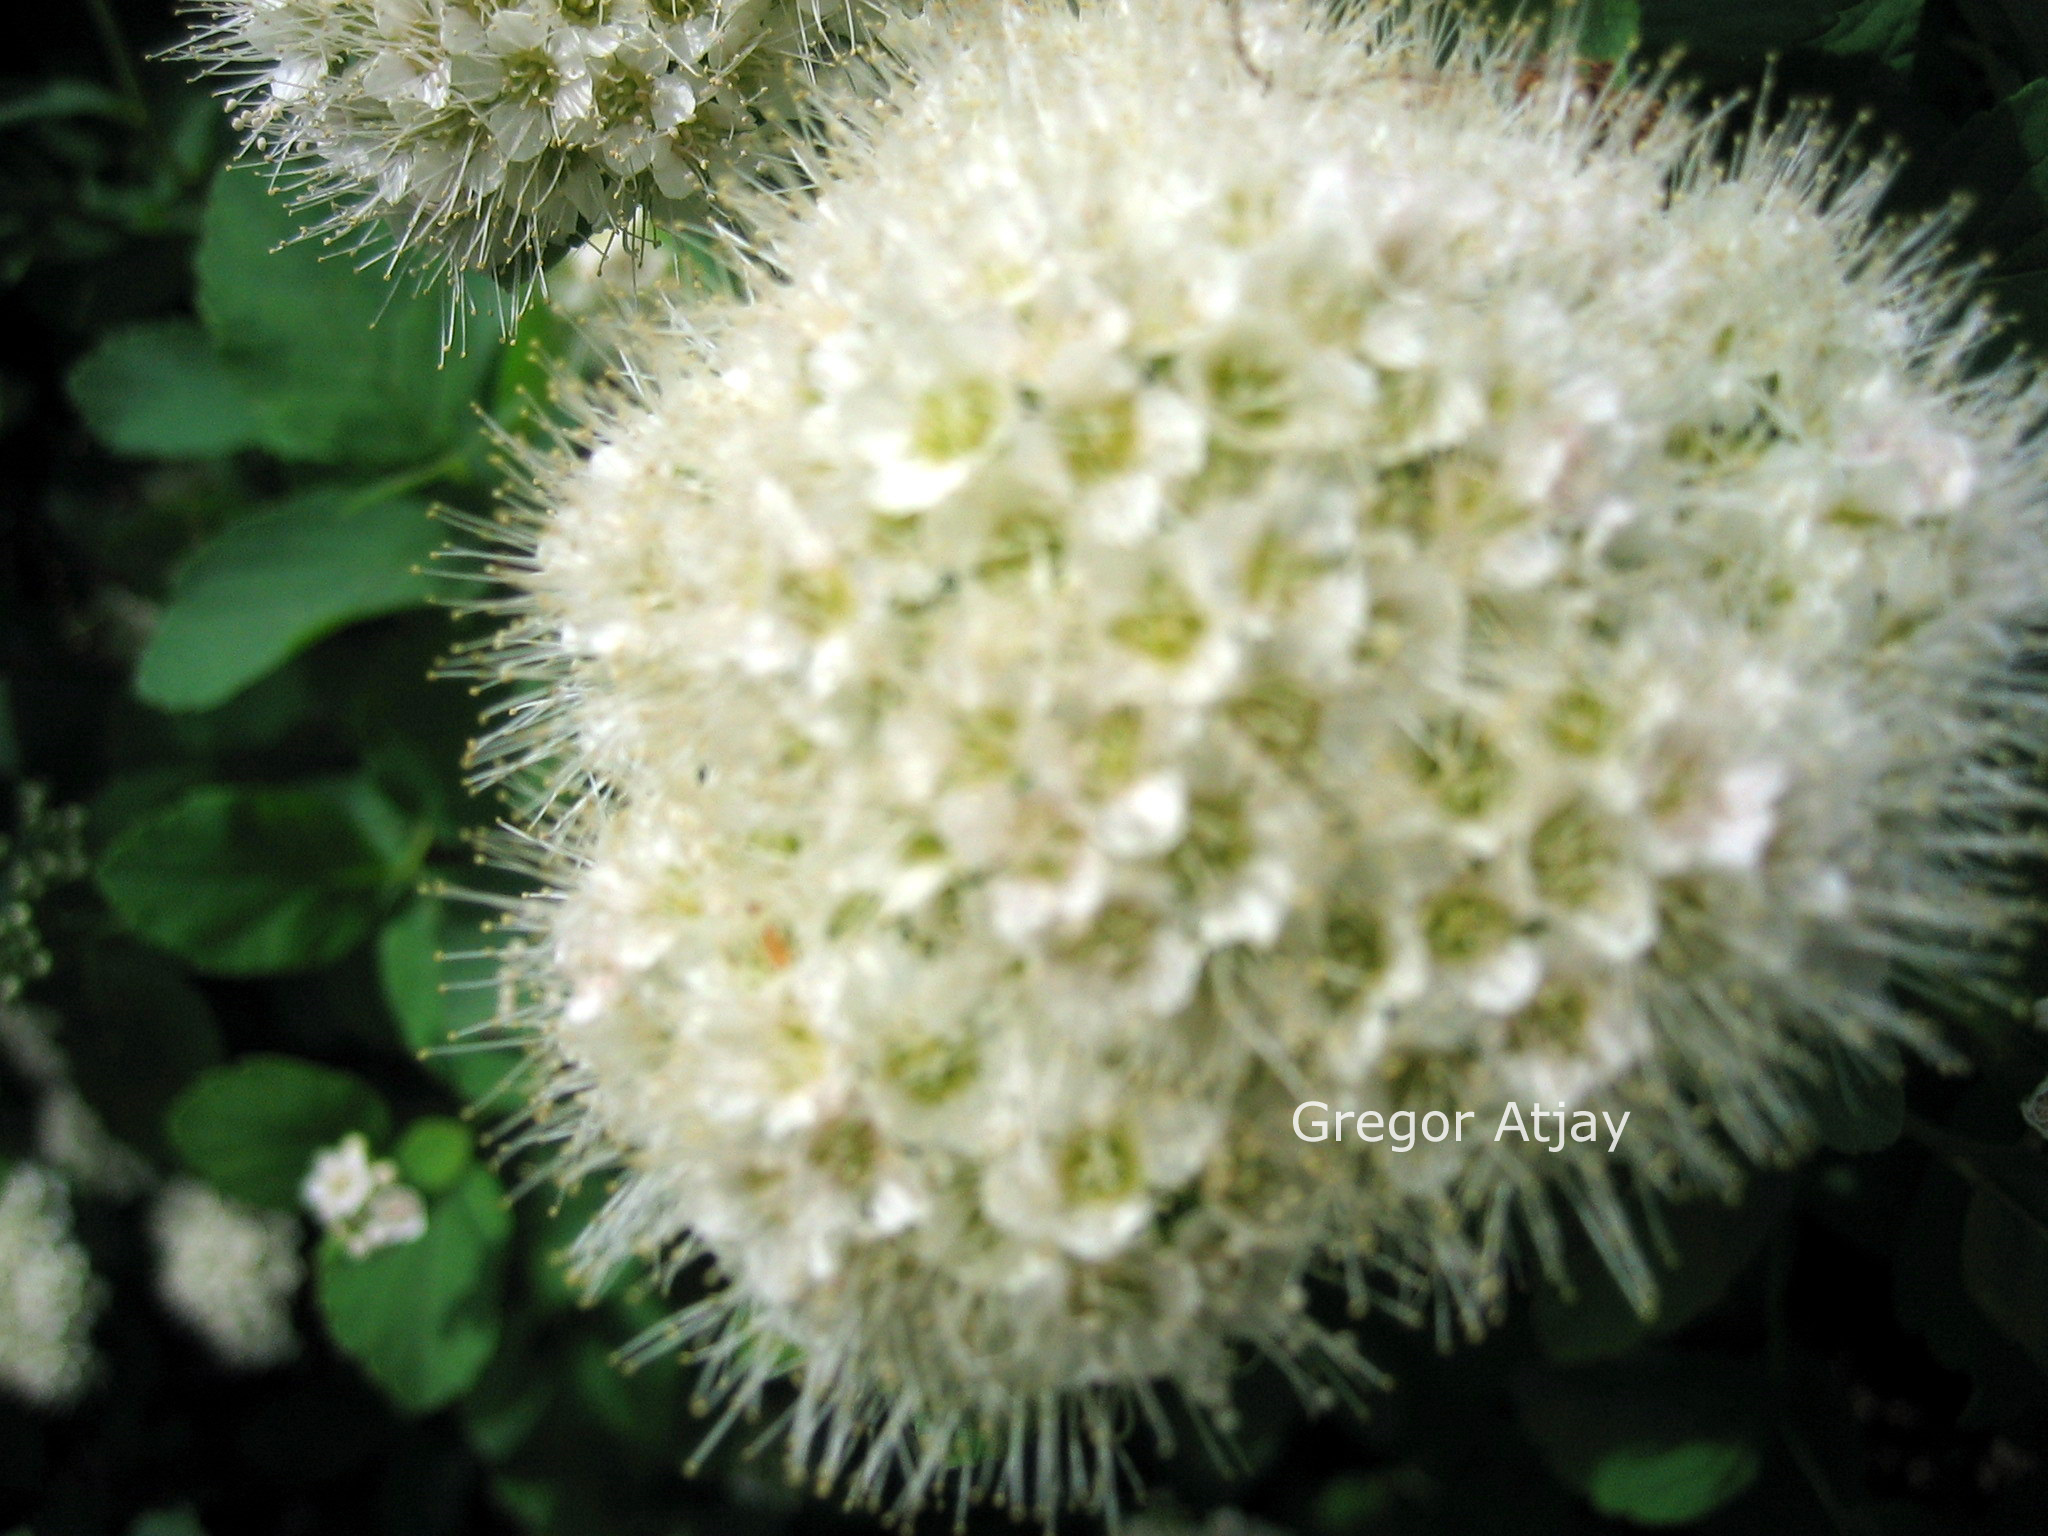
(1348,567)
(481,132)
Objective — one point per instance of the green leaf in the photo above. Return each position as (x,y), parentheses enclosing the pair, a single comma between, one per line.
(422,1318)
(1602,29)
(508,1401)
(1886,29)
(1608,28)
(1672,1485)
(644,1405)
(256,881)
(2019,1174)
(435,962)
(1735,27)
(159,389)
(251,1128)
(2015,31)
(1662,1441)
(269,586)
(167,1522)
(434,1153)
(344,366)
(135,1036)
(62,98)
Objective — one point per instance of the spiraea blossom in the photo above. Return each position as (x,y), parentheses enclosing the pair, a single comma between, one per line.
(1232,559)
(228,1272)
(49,1296)
(360,1200)
(481,132)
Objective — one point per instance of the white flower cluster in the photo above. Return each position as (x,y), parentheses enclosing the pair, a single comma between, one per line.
(1214,571)
(48,1294)
(360,1201)
(229,1273)
(484,131)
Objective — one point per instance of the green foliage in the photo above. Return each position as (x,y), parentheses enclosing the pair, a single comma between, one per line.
(434,1154)
(1740,27)
(1666,1443)
(1879,29)
(422,1317)
(251,1129)
(158,388)
(257,880)
(270,585)
(340,371)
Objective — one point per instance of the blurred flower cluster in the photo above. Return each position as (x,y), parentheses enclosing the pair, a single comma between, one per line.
(48,1295)
(229,1273)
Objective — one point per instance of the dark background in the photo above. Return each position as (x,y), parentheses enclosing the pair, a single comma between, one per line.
(1856,1347)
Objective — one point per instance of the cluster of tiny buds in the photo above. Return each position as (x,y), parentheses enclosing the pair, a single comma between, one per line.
(360,1201)
(47,849)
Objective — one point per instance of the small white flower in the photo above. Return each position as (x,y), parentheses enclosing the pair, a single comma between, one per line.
(395,1215)
(341,1180)
(360,1200)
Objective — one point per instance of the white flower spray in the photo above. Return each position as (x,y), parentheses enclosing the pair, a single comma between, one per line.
(1217,568)
(49,1296)
(360,1200)
(229,1273)
(479,133)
